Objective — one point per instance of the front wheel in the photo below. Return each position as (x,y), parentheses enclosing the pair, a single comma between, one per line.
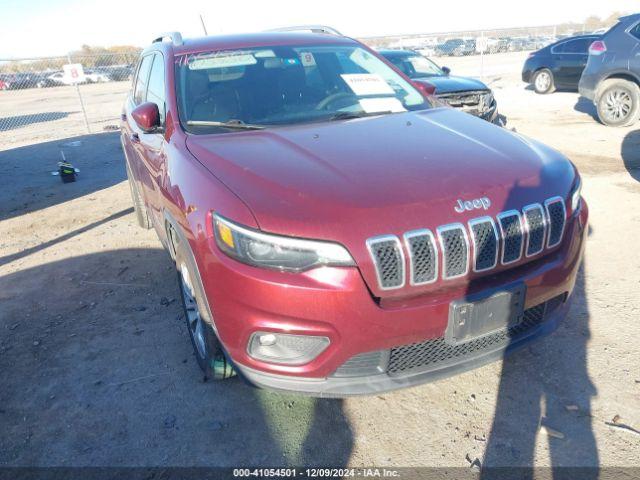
(543,81)
(618,104)
(206,346)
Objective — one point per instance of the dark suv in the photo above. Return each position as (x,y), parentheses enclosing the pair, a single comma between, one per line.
(612,76)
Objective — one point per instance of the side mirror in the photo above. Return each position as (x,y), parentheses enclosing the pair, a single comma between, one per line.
(424,87)
(147,117)
(446,70)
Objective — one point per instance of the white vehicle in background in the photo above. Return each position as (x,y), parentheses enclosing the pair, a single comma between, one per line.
(59,78)
(427,51)
(89,76)
(94,76)
(74,74)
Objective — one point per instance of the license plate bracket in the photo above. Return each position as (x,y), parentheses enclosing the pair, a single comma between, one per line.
(472,318)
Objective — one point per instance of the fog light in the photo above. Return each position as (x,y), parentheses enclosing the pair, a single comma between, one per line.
(286,348)
(267,340)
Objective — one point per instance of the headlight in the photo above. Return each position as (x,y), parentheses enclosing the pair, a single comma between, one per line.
(576,195)
(274,251)
(487,99)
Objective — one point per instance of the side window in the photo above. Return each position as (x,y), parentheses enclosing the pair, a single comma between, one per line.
(155,90)
(559,48)
(140,91)
(635,31)
(580,45)
(401,65)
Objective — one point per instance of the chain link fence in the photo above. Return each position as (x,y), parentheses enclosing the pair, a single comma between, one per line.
(58,97)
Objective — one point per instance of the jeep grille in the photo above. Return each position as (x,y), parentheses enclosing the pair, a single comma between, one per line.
(493,241)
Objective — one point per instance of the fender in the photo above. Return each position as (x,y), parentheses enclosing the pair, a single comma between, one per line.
(171,222)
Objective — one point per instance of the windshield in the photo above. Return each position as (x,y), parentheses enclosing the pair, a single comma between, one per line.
(285,85)
(415,66)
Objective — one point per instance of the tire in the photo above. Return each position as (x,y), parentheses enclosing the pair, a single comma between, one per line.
(207,349)
(138,204)
(543,81)
(618,102)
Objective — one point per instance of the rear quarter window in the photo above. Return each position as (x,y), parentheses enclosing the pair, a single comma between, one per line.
(635,31)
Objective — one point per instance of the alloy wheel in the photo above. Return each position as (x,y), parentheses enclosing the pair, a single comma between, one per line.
(616,105)
(543,81)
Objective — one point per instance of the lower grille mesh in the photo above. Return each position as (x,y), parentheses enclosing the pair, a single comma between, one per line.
(437,352)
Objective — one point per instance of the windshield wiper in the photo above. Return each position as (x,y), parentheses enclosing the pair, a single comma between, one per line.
(231,124)
(349,115)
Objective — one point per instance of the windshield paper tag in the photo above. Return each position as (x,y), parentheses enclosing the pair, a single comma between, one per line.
(375,105)
(367,84)
(307,59)
(222,61)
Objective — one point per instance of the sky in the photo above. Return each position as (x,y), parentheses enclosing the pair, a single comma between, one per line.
(33,28)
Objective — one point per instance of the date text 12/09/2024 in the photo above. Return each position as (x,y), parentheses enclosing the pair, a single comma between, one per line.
(315,473)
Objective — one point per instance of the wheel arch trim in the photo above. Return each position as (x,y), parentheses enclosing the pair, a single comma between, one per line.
(171,223)
(616,75)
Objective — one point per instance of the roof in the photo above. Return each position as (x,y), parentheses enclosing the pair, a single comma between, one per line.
(251,40)
(633,16)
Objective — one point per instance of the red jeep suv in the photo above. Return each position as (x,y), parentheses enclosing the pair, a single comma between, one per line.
(335,231)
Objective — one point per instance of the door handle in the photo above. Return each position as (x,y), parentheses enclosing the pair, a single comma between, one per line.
(134,137)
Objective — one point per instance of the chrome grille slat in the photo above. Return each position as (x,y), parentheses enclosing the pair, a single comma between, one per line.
(500,240)
(455,250)
(423,257)
(511,233)
(386,253)
(536,228)
(557,217)
(485,243)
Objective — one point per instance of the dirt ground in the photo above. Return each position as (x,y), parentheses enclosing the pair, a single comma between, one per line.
(97,368)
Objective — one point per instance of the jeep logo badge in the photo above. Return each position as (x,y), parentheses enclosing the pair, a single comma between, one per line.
(475,204)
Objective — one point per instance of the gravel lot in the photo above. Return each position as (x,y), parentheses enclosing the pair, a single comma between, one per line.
(97,366)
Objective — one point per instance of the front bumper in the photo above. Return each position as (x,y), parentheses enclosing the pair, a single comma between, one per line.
(336,386)
(489,114)
(335,302)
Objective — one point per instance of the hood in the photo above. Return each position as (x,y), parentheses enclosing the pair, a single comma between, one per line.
(447,84)
(346,181)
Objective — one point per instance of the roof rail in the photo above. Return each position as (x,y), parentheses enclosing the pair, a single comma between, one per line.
(175,37)
(310,28)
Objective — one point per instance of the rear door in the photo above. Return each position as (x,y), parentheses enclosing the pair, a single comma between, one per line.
(152,145)
(571,57)
(131,132)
